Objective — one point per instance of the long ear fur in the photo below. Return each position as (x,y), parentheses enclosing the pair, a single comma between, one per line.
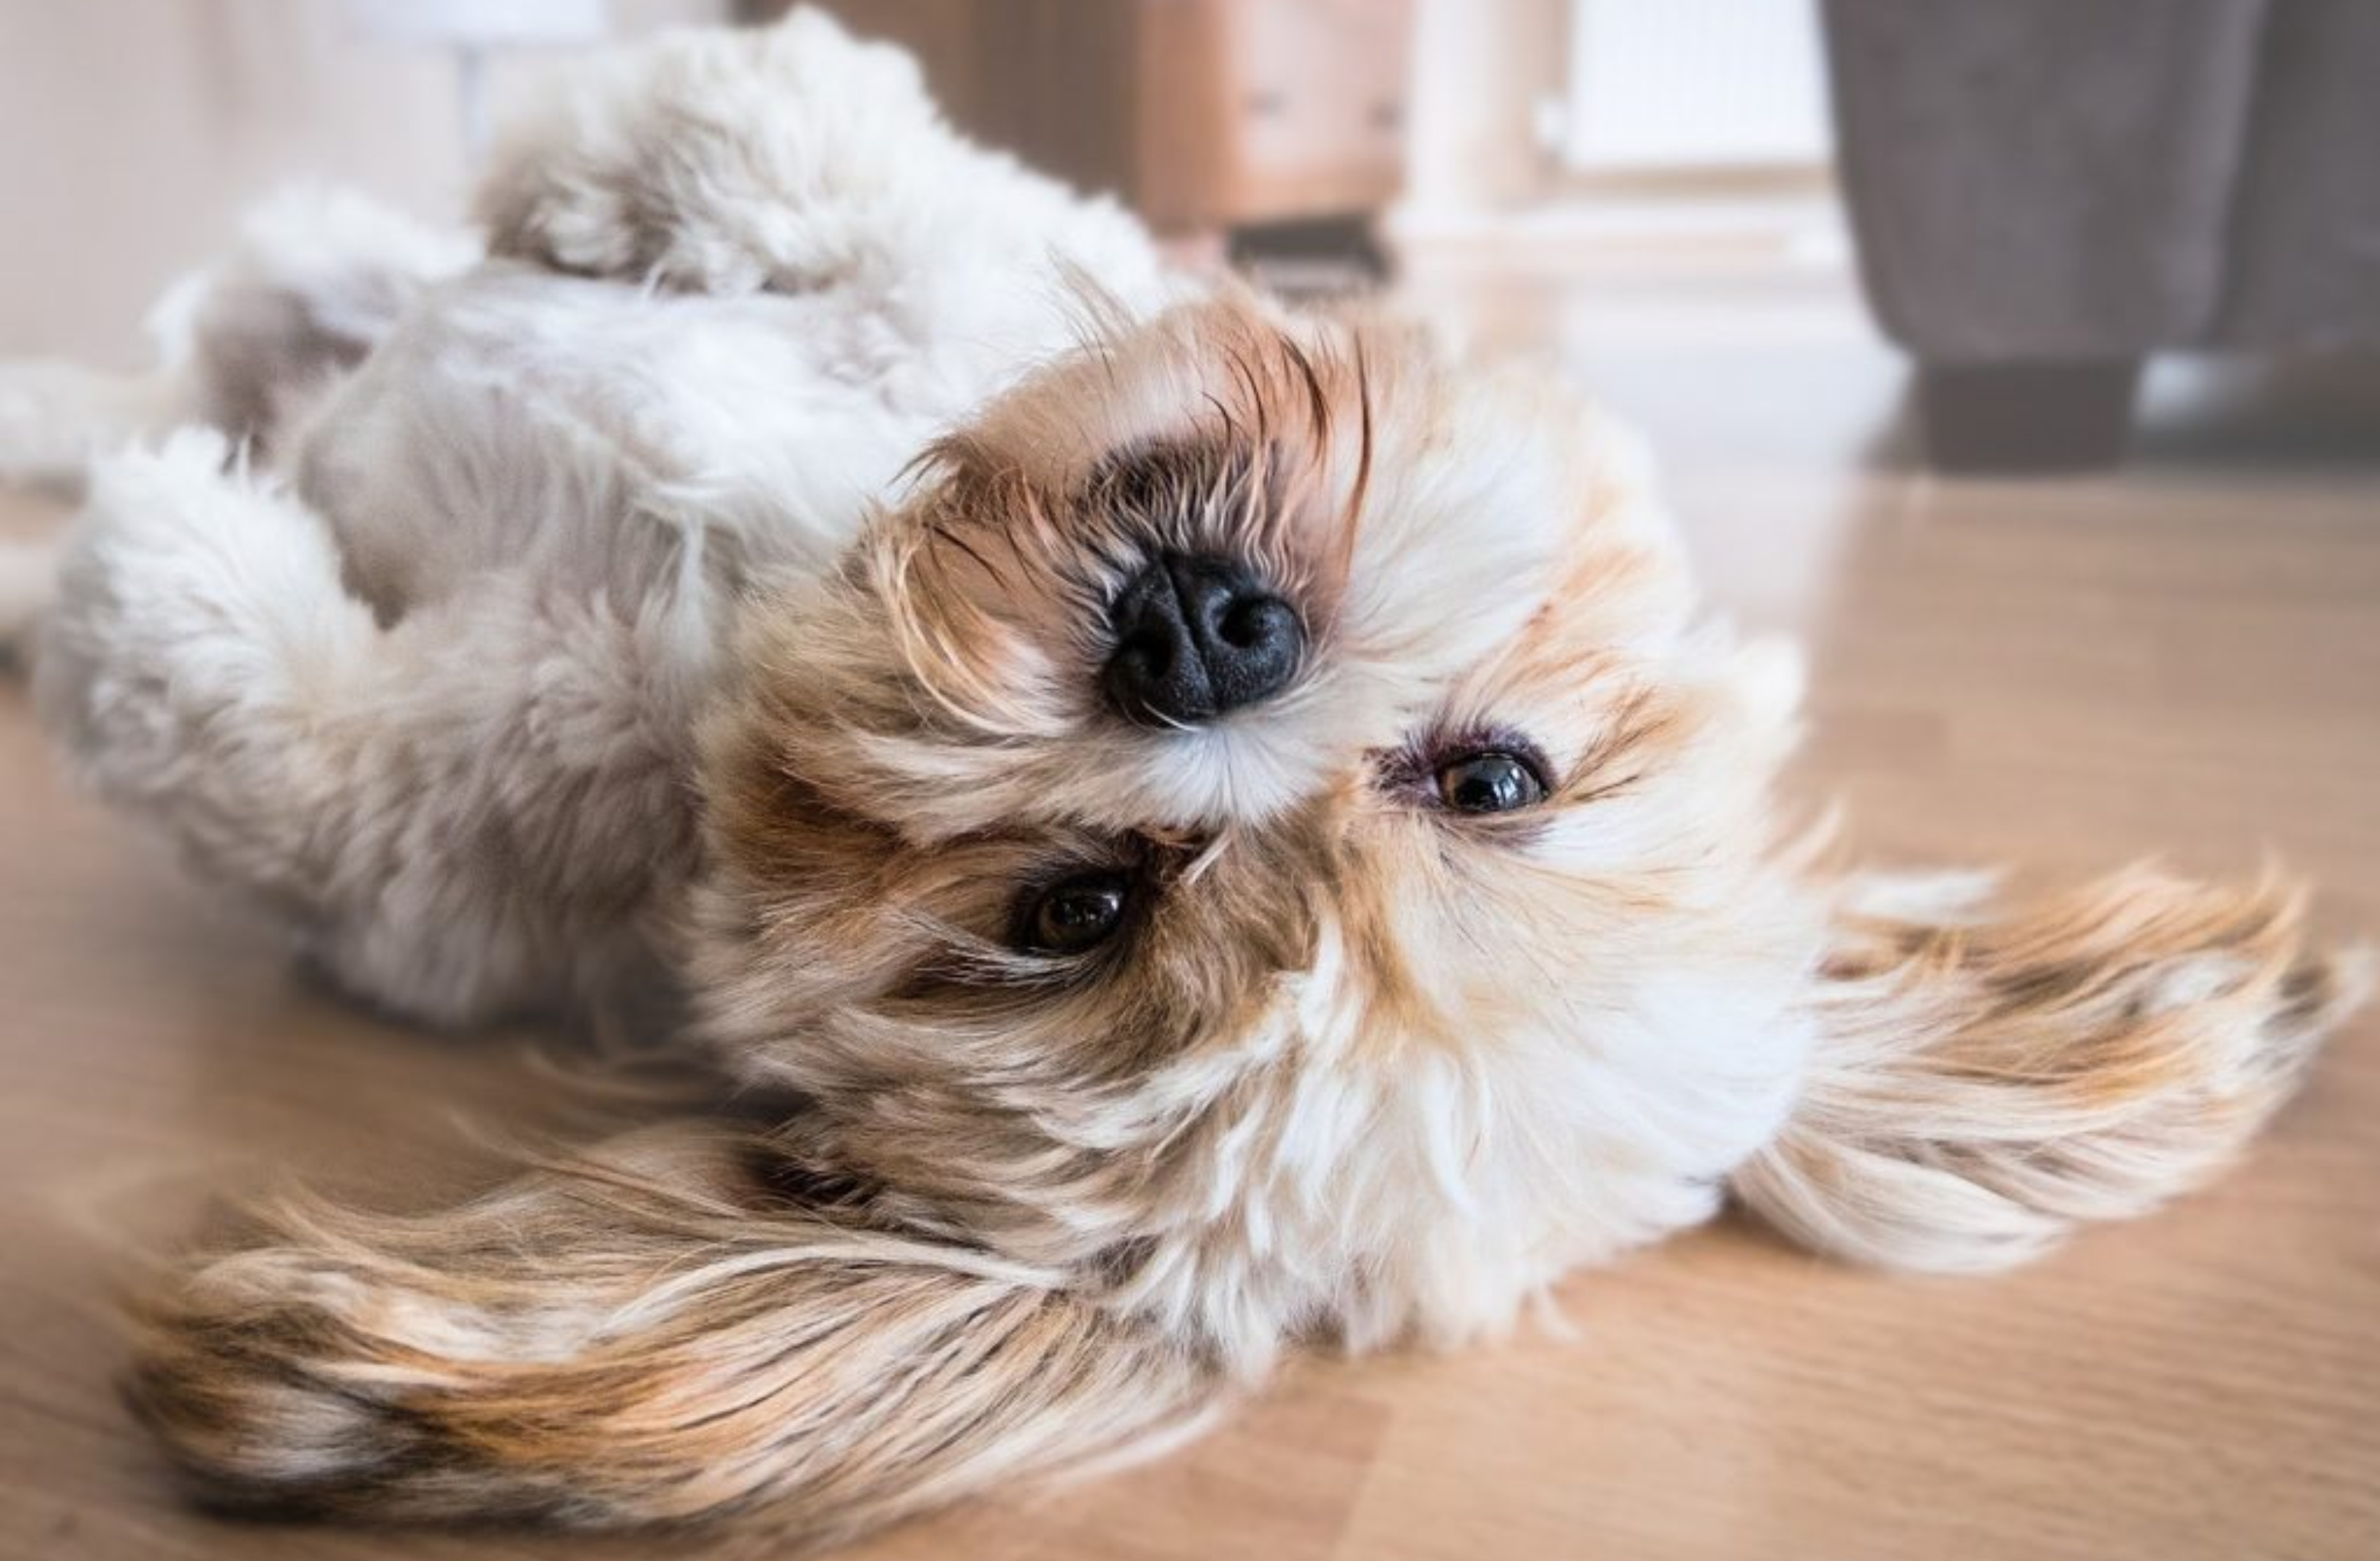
(1984,1078)
(655,1332)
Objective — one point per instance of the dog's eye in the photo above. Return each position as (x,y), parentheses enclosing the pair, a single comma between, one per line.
(1489,783)
(1075,915)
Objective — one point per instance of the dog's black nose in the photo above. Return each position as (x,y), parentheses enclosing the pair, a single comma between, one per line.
(1195,636)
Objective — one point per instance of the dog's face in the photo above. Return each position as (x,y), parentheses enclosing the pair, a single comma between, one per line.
(1244,703)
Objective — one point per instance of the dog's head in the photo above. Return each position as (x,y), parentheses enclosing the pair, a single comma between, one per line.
(1254,725)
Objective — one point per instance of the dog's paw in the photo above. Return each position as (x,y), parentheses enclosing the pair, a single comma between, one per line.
(196,605)
(718,162)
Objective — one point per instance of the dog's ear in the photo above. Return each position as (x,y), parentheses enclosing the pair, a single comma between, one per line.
(656,1332)
(1983,1078)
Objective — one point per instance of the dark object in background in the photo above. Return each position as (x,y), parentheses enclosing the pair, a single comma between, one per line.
(1225,123)
(1314,257)
(2064,416)
(2044,192)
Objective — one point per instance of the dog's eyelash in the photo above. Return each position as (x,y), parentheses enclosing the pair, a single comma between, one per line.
(1636,722)
(1412,769)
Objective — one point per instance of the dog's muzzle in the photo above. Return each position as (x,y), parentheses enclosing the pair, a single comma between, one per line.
(1195,636)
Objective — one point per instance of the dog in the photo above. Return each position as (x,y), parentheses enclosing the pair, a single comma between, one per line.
(1225,823)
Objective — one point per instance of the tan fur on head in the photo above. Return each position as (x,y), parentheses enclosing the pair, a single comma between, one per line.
(1986,1078)
(1344,1017)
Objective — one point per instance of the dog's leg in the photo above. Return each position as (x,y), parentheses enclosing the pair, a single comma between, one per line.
(1986,1078)
(653,1333)
(792,158)
(714,161)
(456,813)
(200,621)
(317,278)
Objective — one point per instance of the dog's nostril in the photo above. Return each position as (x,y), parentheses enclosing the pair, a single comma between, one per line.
(1196,637)
(1250,623)
(1150,656)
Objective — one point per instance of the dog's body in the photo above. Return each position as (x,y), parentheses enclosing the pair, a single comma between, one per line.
(1247,844)
(503,515)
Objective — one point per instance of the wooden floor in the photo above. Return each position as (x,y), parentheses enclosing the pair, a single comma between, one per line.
(2181,660)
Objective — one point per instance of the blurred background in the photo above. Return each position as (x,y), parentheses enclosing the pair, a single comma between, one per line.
(2052,207)
(2016,355)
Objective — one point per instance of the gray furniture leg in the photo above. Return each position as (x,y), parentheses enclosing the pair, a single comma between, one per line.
(2027,417)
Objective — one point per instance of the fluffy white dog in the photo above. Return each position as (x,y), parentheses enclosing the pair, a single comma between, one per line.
(1223,822)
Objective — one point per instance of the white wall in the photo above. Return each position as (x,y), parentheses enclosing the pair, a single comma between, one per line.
(1694,85)
(1482,70)
(134,130)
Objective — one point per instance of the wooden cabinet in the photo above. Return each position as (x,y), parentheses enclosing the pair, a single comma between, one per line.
(1204,115)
